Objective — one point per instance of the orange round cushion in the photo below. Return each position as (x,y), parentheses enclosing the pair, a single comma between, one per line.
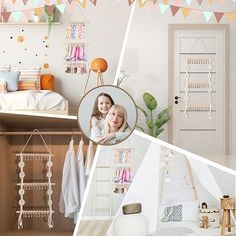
(99,64)
(47,82)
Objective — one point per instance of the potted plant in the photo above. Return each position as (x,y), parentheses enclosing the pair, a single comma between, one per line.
(154,123)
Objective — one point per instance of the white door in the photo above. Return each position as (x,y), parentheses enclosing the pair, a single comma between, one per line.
(198,94)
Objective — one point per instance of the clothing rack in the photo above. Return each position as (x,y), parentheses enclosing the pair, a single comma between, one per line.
(3,133)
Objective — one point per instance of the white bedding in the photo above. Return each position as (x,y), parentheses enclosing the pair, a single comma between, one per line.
(31,100)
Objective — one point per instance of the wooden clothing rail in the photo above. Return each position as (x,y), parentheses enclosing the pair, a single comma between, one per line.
(4,133)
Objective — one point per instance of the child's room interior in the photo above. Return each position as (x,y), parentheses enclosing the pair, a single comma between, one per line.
(159,178)
(47,53)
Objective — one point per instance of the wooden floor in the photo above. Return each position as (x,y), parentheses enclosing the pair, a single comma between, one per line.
(36,233)
(93,228)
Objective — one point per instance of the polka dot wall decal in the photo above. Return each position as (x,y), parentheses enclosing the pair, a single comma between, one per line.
(19,62)
(11,37)
(22,30)
(20,39)
(45,65)
(47,46)
(45,37)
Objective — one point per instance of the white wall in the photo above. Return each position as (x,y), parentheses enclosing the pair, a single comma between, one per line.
(139,146)
(146,55)
(106,29)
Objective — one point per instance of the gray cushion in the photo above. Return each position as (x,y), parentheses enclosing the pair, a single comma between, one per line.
(11,78)
(172,213)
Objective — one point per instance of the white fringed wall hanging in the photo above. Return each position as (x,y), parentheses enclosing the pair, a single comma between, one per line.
(191,60)
(47,185)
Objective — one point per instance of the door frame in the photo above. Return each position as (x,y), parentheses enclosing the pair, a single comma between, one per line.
(171,30)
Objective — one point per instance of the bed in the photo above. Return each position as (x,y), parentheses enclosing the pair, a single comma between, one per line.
(42,101)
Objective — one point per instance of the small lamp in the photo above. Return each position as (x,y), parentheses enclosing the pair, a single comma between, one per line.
(98,65)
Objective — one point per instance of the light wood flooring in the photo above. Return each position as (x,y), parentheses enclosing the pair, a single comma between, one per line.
(93,227)
(36,233)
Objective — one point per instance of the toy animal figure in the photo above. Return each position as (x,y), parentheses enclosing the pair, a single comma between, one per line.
(204,222)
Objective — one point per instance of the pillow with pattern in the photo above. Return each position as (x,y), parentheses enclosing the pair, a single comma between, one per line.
(172,213)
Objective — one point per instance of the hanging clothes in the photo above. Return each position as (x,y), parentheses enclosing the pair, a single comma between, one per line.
(89,158)
(70,200)
(81,170)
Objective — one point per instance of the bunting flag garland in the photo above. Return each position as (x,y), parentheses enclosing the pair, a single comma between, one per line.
(94,2)
(61,7)
(130,2)
(218,16)
(174,9)
(163,6)
(49,9)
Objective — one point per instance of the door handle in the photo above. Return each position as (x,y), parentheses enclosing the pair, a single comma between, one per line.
(176,99)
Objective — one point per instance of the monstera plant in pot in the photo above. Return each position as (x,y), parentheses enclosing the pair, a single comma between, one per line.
(153,120)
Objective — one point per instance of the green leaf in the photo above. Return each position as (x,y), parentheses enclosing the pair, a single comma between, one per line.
(150,101)
(142,110)
(159,131)
(139,127)
(160,122)
(164,112)
(149,124)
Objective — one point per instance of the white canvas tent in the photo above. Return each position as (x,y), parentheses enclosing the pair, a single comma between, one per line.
(149,189)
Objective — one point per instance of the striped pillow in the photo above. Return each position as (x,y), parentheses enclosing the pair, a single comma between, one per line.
(29,75)
(28,85)
(3,86)
(5,68)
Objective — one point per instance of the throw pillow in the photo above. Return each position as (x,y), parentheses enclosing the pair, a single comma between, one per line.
(172,213)
(47,82)
(11,78)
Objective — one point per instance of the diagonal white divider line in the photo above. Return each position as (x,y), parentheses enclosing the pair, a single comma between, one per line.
(124,43)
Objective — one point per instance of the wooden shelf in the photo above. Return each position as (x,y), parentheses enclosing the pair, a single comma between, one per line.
(29,23)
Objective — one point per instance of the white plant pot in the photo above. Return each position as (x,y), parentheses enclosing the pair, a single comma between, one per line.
(36,19)
(131,225)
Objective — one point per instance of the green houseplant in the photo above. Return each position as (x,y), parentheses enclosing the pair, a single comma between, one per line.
(153,122)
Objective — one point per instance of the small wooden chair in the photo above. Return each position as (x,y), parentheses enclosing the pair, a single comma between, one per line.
(227,204)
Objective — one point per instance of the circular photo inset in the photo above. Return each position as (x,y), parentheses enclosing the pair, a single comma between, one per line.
(107,115)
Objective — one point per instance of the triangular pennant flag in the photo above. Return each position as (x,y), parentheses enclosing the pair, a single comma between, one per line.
(188,1)
(47,2)
(207,15)
(16,15)
(185,11)
(49,9)
(130,2)
(218,16)
(82,3)
(163,7)
(141,3)
(5,15)
(38,11)
(70,1)
(36,2)
(199,2)
(174,9)
(196,13)
(165,1)
(28,14)
(25,1)
(210,1)
(13,1)
(94,2)
(230,16)
(177,2)
(61,7)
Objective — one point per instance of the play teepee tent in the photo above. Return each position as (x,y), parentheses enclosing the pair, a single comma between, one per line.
(149,188)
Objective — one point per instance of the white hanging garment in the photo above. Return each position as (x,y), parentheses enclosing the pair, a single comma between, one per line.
(89,158)
(81,170)
(70,199)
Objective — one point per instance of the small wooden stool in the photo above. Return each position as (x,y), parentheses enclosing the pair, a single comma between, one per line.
(227,204)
